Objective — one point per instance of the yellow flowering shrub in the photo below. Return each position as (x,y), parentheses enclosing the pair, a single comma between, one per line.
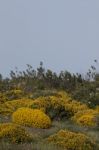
(86,117)
(71,140)
(14,133)
(58,107)
(70,104)
(29,117)
(10,106)
(40,103)
(63,103)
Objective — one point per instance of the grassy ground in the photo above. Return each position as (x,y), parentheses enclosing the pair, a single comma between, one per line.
(32,146)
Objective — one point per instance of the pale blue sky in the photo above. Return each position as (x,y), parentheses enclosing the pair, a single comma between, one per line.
(64,34)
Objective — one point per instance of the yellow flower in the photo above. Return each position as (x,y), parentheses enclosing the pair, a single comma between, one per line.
(14,133)
(31,117)
(71,140)
(10,106)
(86,117)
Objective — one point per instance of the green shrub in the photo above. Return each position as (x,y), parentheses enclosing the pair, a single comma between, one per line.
(14,94)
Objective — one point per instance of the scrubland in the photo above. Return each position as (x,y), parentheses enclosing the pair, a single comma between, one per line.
(43,110)
(49,122)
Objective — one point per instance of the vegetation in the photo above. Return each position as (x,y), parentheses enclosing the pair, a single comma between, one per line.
(10,106)
(87,117)
(71,140)
(40,109)
(14,133)
(33,118)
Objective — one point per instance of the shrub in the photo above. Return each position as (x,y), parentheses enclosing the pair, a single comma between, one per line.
(87,117)
(14,94)
(71,140)
(51,105)
(10,106)
(61,106)
(14,133)
(43,93)
(29,117)
(3,98)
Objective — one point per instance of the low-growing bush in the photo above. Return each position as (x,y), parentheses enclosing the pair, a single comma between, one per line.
(14,94)
(43,93)
(29,117)
(86,118)
(71,140)
(3,98)
(10,106)
(14,133)
(61,106)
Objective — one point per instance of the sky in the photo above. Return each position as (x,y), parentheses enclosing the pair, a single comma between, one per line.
(64,34)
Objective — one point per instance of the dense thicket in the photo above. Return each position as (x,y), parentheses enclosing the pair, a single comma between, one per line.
(83,88)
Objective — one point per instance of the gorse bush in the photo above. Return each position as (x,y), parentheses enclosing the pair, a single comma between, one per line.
(86,117)
(57,107)
(33,118)
(71,140)
(10,106)
(50,105)
(14,133)
(61,106)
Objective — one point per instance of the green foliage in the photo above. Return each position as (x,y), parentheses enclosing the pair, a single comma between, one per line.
(14,94)
(43,93)
(84,89)
(87,93)
(3,98)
